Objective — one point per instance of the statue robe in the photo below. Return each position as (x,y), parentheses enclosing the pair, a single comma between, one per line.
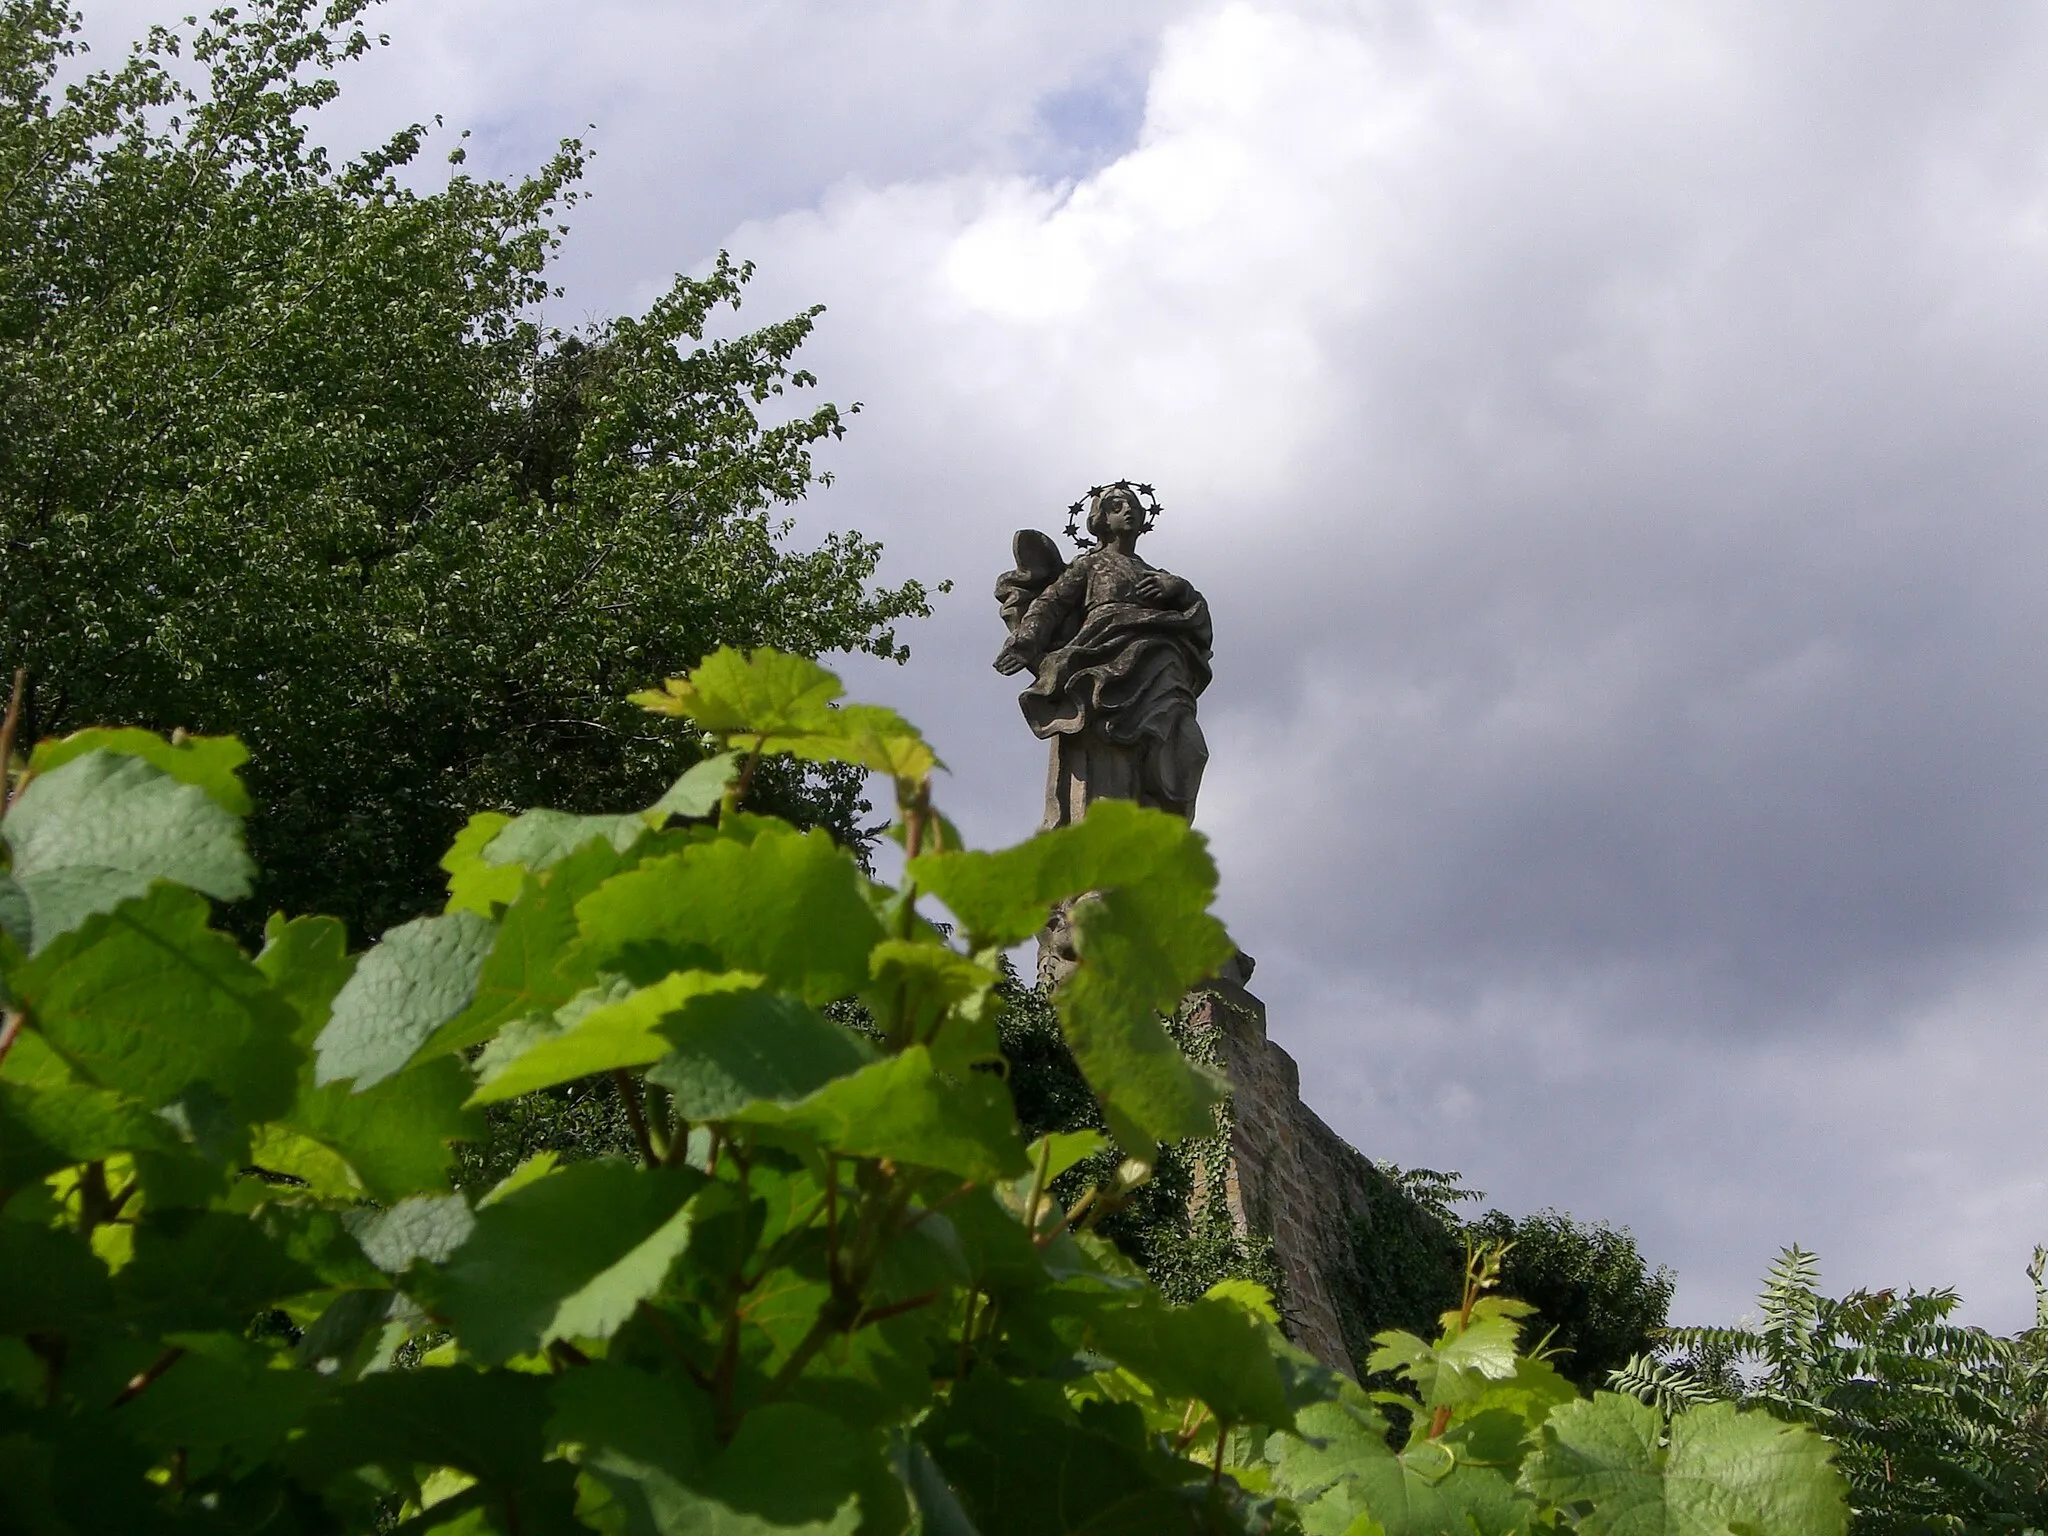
(1117,679)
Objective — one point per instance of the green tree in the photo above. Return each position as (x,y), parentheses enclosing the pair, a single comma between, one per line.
(287,447)
(1942,1426)
(1596,1302)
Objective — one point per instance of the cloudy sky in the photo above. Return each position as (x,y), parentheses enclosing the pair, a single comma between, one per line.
(1610,439)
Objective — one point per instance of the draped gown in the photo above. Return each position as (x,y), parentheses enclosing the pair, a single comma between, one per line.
(1116,681)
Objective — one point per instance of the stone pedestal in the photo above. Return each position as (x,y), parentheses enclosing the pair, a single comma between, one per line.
(1287,1177)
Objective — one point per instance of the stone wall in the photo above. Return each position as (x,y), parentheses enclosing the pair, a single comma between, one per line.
(1287,1177)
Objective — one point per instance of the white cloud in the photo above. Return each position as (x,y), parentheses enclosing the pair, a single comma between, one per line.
(1612,485)
(1610,439)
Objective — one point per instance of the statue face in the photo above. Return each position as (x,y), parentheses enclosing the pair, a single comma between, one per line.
(1120,512)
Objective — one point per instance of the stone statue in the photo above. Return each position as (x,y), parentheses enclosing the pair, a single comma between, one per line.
(1119,651)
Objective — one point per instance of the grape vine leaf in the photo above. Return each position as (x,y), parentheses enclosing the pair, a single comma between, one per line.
(488,1424)
(102,827)
(412,981)
(787,906)
(420,1227)
(1723,1472)
(221,1406)
(56,1125)
(389,1140)
(212,763)
(1339,1470)
(200,1271)
(771,701)
(1144,935)
(697,793)
(541,839)
(474,885)
(50,1281)
(903,1108)
(767,692)
(736,1048)
(394,1135)
(1212,1349)
(598,1033)
(306,961)
(149,1001)
(568,1255)
(535,965)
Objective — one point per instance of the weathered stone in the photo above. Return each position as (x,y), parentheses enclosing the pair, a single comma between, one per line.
(1288,1177)
(1119,652)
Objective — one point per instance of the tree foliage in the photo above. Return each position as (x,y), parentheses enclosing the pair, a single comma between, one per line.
(1597,1303)
(830,1291)
(287,447)
(1942,1426)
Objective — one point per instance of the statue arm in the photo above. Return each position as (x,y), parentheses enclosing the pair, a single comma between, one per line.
(1036,628)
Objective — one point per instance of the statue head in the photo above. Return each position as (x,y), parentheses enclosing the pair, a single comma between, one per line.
(1119,507)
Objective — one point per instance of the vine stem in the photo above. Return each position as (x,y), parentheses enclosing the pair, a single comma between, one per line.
(140,1382)
(10,1030)
(8,728)
(631,1096)
(1038,1184)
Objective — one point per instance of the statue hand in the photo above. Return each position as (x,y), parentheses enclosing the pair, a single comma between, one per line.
(1010,662)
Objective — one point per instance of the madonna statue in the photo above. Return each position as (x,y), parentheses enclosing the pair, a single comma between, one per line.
(1118,651)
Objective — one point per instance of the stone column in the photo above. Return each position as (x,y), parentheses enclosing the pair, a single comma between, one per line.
(1288,1177)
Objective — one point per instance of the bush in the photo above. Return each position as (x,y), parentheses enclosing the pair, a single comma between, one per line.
(830,1290)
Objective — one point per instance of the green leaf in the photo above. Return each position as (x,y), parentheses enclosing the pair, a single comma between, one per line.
(915,985)
(201,1271)
(100,829)
(1003,898)
(306,961)
(50,1282)
(416,978)
(394,1136)
(902,1108)
(1460,1366)
(542,839)
(1339,1471)
(1144,936)
(593,1034)
(733,1049)
(491,1425)
(765,692)
(534,965)
(474,885)
(770,701)
(422,1227)
(647,1419)
(46,1128)
(17,922)
(698,792)
(1723,1473)
(649,1447)
(788,907)
(569,1255)
(1528,1395)
(149,1001)
(1213,1349)
(1020,1458)
(222,1406)
(212,763)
